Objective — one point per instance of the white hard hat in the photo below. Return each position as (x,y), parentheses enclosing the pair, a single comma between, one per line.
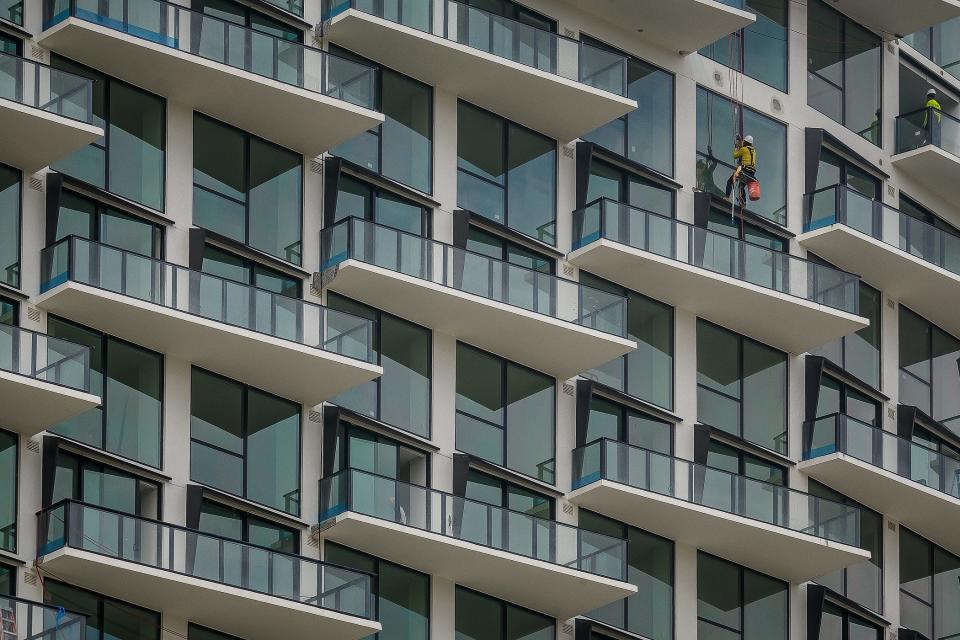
(932,92)
(748,139)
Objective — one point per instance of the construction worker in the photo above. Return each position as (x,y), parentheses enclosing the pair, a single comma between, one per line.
(932,127)
(746,156)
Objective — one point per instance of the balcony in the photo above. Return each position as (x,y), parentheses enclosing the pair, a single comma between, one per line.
(296,96)
(502,65)
(682,26)
(897,17)
(45,114)
(553,325)
(912,261)
(27,620)
(43,380)
(286,346)
(782,300)
(500,552)
(773,529)
(904,480)
(928,150)
(231,586)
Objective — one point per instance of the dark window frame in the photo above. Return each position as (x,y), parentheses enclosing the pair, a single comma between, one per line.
(901,309)
(101,599)
(84,463)
(741,339)
(845,617)
(627,176)
(377,327)
(376,191)
(506,486)
(245,517)
(16,490)
(21,175)
(106,130)
(253,266)
(505,159)
(933,548)
(247,138)
(245,388)
(346,427)
(504,362)
(105,339)
(15,305)
(10,570)
(99,207)
(504,605)
(741,569)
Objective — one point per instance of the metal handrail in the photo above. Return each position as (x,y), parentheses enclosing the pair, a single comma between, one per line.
(473,273)
(25,616)
(174,548)
(689,244)
(451,515)
(37,355)
(188,291)
(696,483)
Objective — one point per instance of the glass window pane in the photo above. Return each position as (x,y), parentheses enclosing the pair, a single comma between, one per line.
(765,607)
(527,625)
(403,603)
(916,570)
(479,385)
(137,141)
(276,176)
(216,428)
(405,384)
(718,591)
(480,144)
(9,227)
(531,183)
(605,420)
(273,451)
(126,232)
(650,126)
(530,423)
(87,427)
(764,396)
(8,491)
(650,366)
(650,567)
(8,580)
(407,134)
(477,617)
(134,403)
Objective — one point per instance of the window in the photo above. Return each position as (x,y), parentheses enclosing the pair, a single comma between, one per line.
(736,603)
(716,118)
(645,135)
(732,460)
(488,489)
(130,381)
(12,10)
(107,619)
(844,71)
(647,371)
(838,397)
(505,413)
(929,371)
(835,169)
(8,580)
(609,419)
(402,147)
(221,520)
(649,612)
(86,218)
(861,582)
(515,11)
(8,490)
(8,312)
(9,44)
(760,50)
(909,238)
(10,199)
(493,246)
(238,13)
(401,396)
(360,200)
(93,483)
(232,267)
(129,160)
(403,595)
(244,441)
(939,44)
(840,624)
(247,189)
(929,587)
(480,617)
(741,386)
(608,181)
(196,632)
(859,353)
(507,173)
(359,448)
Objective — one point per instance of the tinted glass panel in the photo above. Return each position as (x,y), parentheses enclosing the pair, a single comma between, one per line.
(9,226)
(8,491)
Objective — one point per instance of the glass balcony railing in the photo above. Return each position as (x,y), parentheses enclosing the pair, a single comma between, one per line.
(471,521)
(26,620)
(42,87)
(840,204)
(697,484)
(290,6)
(228,43)
(39,356)
(473,273)
(716,252)
(158,545)
(928,126)
(840,433)
(207,296)
(503,37)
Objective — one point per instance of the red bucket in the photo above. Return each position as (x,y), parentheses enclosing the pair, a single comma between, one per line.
(753,189)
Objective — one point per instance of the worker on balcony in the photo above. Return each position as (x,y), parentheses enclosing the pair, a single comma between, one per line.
(746,156)
(932,126)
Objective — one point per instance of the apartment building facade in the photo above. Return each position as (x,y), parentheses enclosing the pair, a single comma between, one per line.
(430,319)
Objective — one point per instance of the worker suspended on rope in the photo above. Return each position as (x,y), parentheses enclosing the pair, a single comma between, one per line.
(746,173)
